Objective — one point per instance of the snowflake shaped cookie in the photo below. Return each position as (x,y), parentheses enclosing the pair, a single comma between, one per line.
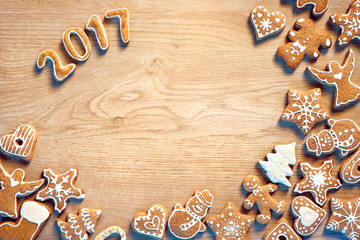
(318,181)
(349,24)
(230,224)
(345,217)
(60,188)
(304,109)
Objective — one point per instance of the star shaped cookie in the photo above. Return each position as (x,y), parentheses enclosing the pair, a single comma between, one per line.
(60,188)
(230,223)
(349,24)
(317,180)
(304,109)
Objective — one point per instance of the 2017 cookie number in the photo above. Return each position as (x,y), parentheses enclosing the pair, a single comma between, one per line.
(94,24)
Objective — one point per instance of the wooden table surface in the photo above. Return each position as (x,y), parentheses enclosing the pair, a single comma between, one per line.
(193,102)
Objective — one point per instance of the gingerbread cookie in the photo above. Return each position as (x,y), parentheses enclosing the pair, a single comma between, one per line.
(318,180)
(185,223)
(21,143)
(123,15)
(111,231)
(74,54)
(33,216)
(230,224)
(350,168)
(152,223)
(349,24)
(260,195)
(94,24)
(281,229)
(77,226)
(306,40)
(319,6)
(308,215)
(60,71)
(337,76)
(60,188)
(343,135)
(345,217)
(12,186)
(265,23)
(277,167)
(304,109)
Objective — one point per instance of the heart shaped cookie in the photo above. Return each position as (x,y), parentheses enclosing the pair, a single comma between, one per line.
(309,215)
(152,223)
(21,143)
(266,23)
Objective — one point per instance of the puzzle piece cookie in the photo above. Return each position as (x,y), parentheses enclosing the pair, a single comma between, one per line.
(110,232)
(260,195)
(307,40)
(281,229)
(319,6)
(350,168)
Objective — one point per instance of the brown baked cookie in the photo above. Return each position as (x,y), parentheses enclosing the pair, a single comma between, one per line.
(111,231)
(122,14)
(307,40)
(350,168)
(319,6)
(281,229)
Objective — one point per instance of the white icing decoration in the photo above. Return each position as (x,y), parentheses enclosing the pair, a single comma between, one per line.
(110,231)
(34,212)
(155,226)
(308,216)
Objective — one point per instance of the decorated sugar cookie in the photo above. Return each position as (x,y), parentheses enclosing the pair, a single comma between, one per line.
(349,24)
(60,71)
(345,217)
(33,216)
(304,109)
(308,215)
(60,188)
(94,24)
(277,167)
(123,15)
(21,143)
(110,232)
(319,6)
(74,54)
(77,227)
(281,229)
(186,223)
(339,77)
(350,168)
(318,180)
(307,40)
(343,135)
(151,224)
(265,23)
(230,223)
(12,186)
(260,195)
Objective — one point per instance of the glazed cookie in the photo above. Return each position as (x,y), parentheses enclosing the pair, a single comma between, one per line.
(319,6)
(60,188)
(152,223)
(111,231)
(343,135)
(123,15)
(77,226)
(345,217)
(60,71)
(277,167)
(349,24)
(304,109)
(306,40)
(21,143)
(281,229)
(74,54)
(33,216)
(230,224)
(318,180)
(185,223)
(12,186)
(337,76)
(95,25)
(350,168)
(265,23)
(260,195)
(308,215)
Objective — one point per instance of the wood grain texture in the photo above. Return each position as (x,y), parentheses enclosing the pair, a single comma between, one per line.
(193,102)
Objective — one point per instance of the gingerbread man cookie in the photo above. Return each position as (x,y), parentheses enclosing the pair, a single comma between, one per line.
(349,24)
(319,6)
(343,135)
(304,109)
(260,195)
(306,40)
(186,223)
(265,23)
(350,168)
(339,77)
(110,232)
(281,229)
(230,223)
